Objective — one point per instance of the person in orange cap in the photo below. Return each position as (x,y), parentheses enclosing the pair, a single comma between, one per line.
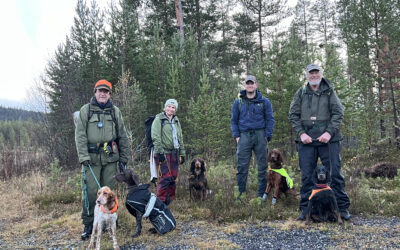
(101,142)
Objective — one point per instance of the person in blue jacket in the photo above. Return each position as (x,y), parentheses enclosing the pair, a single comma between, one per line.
(252,125)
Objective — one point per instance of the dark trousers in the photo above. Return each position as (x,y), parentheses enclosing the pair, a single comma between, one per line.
(308,157)
(104,175)
(248,142)
(166,187)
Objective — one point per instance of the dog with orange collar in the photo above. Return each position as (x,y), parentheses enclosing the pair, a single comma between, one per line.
(322,204)
(105,213)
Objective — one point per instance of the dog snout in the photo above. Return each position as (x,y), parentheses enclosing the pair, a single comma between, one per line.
(321,176)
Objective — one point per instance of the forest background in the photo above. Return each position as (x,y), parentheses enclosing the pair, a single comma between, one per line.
(199,54)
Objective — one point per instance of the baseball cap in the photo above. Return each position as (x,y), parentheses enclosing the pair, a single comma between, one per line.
(312,67)
(251,78)
(103,84)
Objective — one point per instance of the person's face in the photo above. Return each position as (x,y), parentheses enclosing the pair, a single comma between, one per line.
(314,77)
(170,110)
(250,86)
(102,95)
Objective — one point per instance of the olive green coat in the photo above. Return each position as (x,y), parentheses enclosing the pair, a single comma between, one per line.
(89,132)
(316,112)
(161,134)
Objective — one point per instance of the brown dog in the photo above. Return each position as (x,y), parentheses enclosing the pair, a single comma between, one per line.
(276,180)
(198,186)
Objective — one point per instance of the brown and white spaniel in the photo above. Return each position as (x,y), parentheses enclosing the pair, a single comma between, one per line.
(105,213)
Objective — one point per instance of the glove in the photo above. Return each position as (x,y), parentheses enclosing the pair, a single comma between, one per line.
(122,167)
(161,158)
(86,163)
(182,159)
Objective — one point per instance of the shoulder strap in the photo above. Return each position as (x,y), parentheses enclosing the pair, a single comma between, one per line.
(112,113)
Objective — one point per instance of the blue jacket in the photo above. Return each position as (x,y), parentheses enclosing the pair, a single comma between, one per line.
(252,115)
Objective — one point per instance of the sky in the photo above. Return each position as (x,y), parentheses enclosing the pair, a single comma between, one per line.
(31,31)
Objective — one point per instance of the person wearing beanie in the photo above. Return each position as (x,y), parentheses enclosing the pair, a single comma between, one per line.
(101,142)
(316,114)
(169,150)
(252,125)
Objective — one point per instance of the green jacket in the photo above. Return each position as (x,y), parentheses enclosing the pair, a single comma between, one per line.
(88,132)
(161,134)
(316,112)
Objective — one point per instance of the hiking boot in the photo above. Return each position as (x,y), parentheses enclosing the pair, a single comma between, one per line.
(87,232)
(240,197)
(302,215)
(345,214)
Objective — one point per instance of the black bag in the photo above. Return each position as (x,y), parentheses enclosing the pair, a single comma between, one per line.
(148,123)
(142,200)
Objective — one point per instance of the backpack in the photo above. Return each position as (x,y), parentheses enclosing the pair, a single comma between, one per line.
(148,123)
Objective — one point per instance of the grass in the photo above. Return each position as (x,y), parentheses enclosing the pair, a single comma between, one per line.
(47,208)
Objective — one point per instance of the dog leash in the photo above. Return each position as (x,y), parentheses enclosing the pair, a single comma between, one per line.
(87,205)
(330,164)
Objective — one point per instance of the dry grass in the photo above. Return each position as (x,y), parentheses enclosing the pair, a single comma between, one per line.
(36,215)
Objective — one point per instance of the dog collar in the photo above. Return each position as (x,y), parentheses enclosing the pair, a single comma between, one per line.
(321,185)
(315,191)
(113,210)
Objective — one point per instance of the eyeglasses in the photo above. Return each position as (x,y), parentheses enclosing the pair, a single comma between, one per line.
(105,91)
(249,83)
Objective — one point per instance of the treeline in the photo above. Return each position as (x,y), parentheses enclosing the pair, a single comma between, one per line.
(149,57)
(13,114)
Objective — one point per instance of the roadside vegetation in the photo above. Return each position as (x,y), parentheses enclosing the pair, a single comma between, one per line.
(47,207)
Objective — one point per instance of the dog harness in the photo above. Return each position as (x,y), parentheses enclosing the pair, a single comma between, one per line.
(113,210)
(320,188)
(283,172)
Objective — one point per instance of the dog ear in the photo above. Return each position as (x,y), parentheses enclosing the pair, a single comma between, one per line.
(192,166)
(269,156)
(203,165)
(281,159)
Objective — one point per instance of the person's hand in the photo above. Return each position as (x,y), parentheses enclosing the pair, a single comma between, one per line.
(122,167)
(324,138)
(86,163)
(268,138)
(161,158)
(305,139)
(182,159)
(237,139)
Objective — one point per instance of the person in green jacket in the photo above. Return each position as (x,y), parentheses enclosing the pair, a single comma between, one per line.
(316,114)
(169,150)
(101,142)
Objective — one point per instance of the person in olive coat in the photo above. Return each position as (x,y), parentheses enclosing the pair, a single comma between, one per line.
(169,150)
(316,114)
(101,142)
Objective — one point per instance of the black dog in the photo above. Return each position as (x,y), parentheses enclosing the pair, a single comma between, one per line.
(198,186)
(322,205)
(132,179)
(141,203)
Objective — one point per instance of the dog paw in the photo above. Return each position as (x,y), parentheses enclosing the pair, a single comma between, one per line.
(137,234)
(273,201)
(153,230)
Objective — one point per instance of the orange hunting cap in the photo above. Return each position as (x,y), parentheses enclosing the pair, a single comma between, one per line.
(103,84)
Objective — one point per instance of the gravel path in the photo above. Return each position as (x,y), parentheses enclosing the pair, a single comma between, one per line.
(360,232)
